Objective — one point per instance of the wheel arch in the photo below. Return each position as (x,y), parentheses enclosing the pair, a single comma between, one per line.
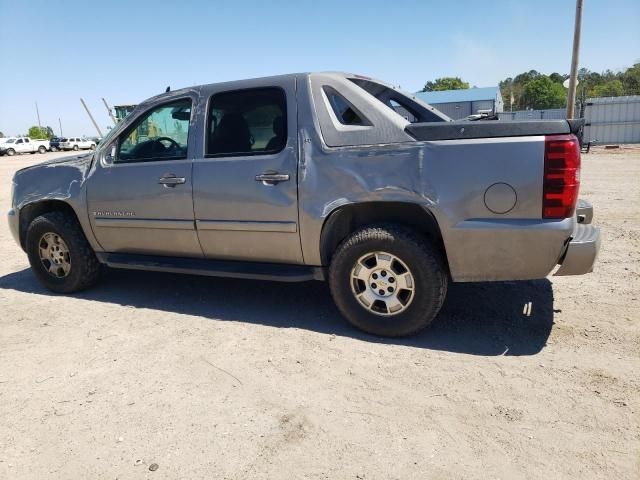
(32,210)
(344,220)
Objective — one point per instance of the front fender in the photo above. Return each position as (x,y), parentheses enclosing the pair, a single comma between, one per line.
(38,188)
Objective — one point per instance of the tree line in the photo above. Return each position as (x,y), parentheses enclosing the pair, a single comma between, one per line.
(37,133)
(535,90)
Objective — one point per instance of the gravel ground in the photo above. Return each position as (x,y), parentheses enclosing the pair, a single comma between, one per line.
(216,378)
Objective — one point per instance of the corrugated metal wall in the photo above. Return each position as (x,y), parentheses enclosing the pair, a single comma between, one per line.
(482,105)
(455,110)
(612,120)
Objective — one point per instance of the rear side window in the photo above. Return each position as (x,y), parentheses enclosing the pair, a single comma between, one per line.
(247,122)
(346,113)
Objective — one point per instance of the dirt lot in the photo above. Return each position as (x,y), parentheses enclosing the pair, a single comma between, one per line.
(216,378)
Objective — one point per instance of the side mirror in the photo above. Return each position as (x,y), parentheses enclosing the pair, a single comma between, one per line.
(110,155)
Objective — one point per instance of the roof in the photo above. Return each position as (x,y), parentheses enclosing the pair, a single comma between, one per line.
(454,96)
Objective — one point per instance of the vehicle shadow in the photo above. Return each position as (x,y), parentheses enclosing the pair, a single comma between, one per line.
(477,318)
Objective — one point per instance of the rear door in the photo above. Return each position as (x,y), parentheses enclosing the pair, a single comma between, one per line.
(140,196)
(245,183)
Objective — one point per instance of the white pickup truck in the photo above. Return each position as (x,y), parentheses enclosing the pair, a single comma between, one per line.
(23,145)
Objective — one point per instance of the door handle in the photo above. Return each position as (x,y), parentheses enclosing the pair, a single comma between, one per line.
(171,180)
(271,178)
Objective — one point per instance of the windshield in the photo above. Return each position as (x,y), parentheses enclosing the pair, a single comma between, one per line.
(11,140)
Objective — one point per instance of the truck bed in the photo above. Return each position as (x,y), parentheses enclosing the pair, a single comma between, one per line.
(431,131)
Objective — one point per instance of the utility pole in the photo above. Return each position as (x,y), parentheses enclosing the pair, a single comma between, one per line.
(91,117)
(573,76)
(113,119)
(38,113)
(60,123)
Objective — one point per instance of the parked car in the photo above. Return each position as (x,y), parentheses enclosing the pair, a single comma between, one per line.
(23,145)
(77,143)
(54,143)
(313,177)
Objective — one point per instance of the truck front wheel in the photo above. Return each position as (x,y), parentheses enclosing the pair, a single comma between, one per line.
(11,152)
(388,280)
(59,253)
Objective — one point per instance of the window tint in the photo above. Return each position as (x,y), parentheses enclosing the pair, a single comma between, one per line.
(247,122)
(344,111)
(160,134)
(19,141)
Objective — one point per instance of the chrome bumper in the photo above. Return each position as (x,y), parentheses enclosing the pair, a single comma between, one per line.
(582,251)
(584,211)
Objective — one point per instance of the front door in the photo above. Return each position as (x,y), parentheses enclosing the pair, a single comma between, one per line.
(245,185)
(140,196)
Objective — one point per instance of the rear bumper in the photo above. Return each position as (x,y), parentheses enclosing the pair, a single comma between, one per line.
(582,251)
(584,211)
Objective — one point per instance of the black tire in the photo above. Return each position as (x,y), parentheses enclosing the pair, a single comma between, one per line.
(41,150)
(420,256)
(92,147)
(75,148)
(11,152)
(85,267)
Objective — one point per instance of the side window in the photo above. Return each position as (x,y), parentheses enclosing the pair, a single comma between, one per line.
(346,113)
(19,141)
(160,134)
(247,122)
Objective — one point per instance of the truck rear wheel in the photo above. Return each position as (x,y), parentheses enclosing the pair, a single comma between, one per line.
(75,148)
(59,253)
(388,280)
(41,149)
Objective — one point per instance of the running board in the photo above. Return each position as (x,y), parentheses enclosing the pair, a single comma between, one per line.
(214,268)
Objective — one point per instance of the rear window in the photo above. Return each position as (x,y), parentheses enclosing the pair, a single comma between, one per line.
(399,102)
(346,113)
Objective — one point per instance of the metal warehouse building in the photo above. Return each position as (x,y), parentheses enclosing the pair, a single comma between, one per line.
(462,103)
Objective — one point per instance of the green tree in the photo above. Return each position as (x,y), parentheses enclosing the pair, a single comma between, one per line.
(543,93)
(41,133)
(557,78)
(631,80)
(445,83)
(613,88)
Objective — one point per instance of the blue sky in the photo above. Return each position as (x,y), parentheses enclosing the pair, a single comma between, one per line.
(57,51)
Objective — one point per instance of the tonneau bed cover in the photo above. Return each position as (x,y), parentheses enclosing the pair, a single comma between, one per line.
(459,130)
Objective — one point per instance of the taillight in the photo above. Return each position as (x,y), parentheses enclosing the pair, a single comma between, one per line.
(561,176)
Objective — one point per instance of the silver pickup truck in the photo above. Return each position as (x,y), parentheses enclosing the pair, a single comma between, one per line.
(313,176)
